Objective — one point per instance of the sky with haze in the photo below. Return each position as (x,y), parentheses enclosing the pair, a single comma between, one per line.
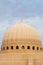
(11,10)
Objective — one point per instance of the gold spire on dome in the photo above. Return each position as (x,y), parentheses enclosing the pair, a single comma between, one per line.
(21,16)
(21,20)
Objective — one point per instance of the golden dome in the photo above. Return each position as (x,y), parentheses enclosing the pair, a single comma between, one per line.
(21,32)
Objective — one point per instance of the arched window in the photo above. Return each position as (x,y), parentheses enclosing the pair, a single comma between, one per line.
(37,48)
(17,47)
(12,47)
(28,47)
(3,48)
(40,48)
(33,47)
(23,47)
(7,47)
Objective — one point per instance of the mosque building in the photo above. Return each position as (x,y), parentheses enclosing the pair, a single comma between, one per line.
(21,45)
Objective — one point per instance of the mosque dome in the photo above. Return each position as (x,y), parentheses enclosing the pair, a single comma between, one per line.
(21,33)
(21,45)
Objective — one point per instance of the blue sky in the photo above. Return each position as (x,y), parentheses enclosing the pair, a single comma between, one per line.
(10,13)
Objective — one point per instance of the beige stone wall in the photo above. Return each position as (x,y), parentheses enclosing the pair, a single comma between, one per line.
(29,58)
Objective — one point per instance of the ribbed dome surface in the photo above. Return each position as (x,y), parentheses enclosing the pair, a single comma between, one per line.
(21,31)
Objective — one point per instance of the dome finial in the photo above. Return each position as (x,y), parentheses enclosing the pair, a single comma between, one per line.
(21,15)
